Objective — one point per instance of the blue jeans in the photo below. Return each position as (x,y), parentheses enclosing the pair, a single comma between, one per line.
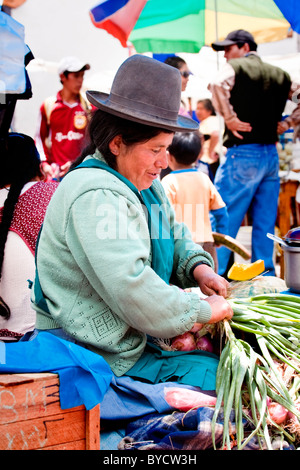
(248,181)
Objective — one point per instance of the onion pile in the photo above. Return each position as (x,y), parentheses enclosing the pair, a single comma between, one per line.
(199,337)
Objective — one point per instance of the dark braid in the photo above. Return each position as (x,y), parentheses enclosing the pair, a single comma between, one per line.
(20,163)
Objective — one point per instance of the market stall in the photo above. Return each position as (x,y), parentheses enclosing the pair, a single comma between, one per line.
(289,200)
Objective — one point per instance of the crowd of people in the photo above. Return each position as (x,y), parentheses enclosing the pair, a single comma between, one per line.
(121,243)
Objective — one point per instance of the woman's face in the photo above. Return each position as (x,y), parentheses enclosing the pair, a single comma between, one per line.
(185,75)
(142,163)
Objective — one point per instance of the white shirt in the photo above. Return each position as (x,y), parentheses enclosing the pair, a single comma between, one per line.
(18,266)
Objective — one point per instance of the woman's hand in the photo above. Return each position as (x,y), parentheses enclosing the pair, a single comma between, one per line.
(220,308)
(209,282)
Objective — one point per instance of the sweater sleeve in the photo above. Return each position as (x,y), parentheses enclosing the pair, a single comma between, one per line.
(42,135)
(220,89)
(219,220)
(111,245)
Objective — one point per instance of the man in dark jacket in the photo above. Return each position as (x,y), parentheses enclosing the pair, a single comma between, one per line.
(251,96)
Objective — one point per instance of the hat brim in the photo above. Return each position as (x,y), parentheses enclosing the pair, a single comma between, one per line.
(102,101)
(85,67)
(75,70)
(220,45)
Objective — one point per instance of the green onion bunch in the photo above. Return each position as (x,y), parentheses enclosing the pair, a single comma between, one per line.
(249,376)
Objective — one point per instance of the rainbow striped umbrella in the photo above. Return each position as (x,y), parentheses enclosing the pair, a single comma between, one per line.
(291,11)
(170,26)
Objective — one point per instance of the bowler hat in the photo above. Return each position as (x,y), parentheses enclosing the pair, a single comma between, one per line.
(146,91)
(235,37)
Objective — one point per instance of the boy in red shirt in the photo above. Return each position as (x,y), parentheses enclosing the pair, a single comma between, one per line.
(63,120)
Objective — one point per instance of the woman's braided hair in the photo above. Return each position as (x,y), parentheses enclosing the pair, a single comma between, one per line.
(19,163)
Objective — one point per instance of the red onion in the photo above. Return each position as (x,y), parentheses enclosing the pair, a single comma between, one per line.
(204,344)
(184,342)
(278,413)
(293,420)
(196,327)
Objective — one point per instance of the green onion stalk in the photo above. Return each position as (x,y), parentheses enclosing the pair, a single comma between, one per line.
(249,376)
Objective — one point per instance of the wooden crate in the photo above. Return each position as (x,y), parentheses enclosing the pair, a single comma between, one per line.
(31,416)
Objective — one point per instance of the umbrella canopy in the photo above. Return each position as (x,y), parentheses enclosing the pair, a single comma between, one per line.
(176,26)
(117,17)
(170,26)
(291,12)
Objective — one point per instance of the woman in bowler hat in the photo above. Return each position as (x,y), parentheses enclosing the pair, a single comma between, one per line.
(120,264)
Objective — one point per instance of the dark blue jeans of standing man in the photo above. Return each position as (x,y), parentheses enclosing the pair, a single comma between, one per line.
(248,180)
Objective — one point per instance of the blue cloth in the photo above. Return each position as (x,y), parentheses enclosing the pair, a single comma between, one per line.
(248,180)
(84,376)
(13,51)
(289,292)
(109,440)
(178,431)
(128,399)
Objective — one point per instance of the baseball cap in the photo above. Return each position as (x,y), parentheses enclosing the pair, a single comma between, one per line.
(235,37)
(72,64)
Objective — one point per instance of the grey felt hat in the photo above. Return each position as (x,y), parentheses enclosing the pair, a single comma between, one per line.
(147,91)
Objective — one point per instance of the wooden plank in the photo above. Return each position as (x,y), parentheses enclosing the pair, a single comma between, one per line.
(31,416)
(93,428)
(7,380)
(40,433)
(78,445)
(286,206)
(286,217)
(30,399)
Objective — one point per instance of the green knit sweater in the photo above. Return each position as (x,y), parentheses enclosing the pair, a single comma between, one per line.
(94,265)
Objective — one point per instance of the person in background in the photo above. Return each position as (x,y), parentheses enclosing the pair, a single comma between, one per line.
(24,197)
(251,96)
(181,65)
(115,245)
(210,129)
(192,193)
(63,120)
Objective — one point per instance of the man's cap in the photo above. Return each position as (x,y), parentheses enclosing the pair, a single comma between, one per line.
(72,64)
(235,37)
